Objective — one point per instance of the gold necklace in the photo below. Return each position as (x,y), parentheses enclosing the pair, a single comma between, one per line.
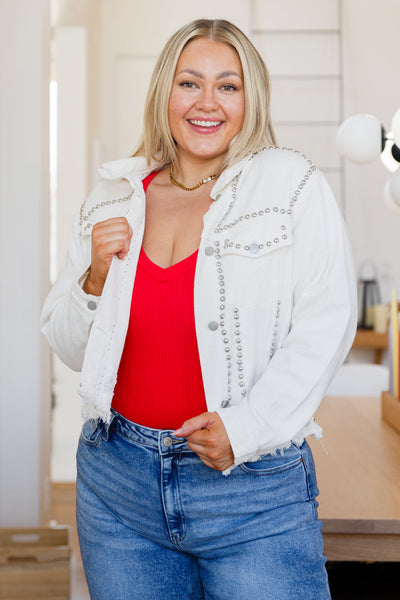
(194,187)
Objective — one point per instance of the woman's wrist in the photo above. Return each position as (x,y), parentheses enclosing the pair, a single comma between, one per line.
(91,285)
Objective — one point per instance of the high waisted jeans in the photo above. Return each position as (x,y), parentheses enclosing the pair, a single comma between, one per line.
(155,523)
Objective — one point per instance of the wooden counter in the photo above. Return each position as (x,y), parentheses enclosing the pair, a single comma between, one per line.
(368,339)
(359,481)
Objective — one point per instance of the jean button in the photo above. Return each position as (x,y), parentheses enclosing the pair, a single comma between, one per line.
(167,441)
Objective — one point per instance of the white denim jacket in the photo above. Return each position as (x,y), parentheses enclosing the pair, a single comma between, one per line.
(274,295)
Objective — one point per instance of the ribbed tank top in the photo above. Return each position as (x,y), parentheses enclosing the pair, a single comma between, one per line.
(159,381)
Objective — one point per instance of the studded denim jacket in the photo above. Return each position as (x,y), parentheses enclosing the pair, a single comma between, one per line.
(275,300)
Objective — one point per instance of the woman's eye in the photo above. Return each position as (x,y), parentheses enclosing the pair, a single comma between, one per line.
(187,84)
(229,87)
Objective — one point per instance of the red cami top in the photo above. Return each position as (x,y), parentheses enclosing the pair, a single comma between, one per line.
(159,381)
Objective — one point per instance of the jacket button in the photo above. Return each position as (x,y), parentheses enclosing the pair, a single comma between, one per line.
(92,305)
(213,325)
(254,248)
(209,251)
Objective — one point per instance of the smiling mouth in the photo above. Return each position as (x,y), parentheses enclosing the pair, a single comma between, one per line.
(200,123)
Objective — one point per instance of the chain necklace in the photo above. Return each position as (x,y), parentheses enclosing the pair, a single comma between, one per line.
(194,187)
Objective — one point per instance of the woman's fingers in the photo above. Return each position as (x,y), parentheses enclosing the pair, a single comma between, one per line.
(109,237)
(207,437)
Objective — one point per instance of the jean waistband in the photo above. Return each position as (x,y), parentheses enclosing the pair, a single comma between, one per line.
(161,439)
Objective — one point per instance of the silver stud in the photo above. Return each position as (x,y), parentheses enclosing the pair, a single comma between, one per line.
(92,305)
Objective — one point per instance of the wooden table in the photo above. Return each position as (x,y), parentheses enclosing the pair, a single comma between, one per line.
(359,481)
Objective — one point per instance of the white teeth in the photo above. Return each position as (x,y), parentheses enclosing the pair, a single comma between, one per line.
(205,123)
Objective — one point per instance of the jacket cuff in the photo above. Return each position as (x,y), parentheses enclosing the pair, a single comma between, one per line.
(86,304)
(244,433)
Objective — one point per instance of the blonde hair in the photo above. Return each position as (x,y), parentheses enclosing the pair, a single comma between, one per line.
(257,131)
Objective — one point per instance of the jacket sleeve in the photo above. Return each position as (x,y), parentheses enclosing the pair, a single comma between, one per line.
(68,312)
(322,327)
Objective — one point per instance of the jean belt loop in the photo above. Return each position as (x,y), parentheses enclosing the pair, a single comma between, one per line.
(106,426)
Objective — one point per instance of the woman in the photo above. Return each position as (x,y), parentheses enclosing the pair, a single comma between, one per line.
(208,298)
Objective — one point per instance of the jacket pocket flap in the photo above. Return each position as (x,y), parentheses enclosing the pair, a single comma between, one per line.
(257,240)
(109,201)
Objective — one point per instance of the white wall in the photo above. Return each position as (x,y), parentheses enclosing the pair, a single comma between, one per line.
(372,85)
(24,243)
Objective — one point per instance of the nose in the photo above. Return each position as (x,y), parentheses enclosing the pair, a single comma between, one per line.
(207,100)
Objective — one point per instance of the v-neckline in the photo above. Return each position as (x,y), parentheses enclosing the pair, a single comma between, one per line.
(164,274)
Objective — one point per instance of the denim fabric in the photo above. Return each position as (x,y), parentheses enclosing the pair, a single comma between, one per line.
(155,523)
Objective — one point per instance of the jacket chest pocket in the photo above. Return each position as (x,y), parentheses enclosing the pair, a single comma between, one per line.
(256,260)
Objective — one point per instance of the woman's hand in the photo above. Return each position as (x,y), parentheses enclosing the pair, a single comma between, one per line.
(206,435)
(108,238)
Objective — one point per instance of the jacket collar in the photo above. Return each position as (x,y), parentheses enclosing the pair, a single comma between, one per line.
(137,168)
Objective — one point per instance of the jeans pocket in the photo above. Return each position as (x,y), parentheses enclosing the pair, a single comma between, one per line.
(272,464)
(91,432)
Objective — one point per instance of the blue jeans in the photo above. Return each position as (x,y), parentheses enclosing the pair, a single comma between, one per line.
(155,523)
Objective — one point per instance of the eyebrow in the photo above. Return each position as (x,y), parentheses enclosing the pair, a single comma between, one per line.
(201,76)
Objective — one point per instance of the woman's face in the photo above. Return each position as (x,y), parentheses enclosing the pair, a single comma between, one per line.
(206,104)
